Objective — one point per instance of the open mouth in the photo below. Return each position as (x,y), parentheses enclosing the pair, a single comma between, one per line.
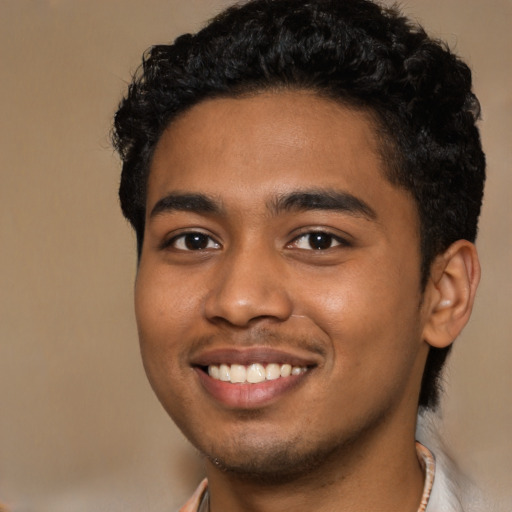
(249,379)
(252,377)
(254,373)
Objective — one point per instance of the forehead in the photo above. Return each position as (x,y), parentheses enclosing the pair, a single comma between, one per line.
(269,144)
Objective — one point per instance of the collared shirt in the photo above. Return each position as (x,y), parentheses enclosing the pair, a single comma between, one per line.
(199,501)
(428,465)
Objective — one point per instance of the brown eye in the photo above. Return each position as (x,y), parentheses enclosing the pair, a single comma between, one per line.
(193,242)
(317,241)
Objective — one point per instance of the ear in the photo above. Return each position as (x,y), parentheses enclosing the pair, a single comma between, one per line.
(450,293)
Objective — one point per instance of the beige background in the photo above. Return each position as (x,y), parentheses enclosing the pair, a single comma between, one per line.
(79,427)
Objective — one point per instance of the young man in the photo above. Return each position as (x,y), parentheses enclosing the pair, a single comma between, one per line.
(305,179)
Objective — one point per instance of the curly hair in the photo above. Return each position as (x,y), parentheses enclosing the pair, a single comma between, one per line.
(352,51)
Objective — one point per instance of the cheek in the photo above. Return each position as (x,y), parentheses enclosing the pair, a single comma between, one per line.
(368,314)
(164,303)
(159,313)
(374,341)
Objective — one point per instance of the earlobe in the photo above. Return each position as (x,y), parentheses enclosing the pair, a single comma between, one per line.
(450,293)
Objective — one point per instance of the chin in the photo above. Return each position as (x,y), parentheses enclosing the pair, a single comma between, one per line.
(274,463)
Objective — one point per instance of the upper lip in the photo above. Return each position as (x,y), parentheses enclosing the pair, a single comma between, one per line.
(249,355)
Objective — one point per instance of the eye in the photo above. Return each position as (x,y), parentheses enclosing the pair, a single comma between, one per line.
(192,242)
(317,241)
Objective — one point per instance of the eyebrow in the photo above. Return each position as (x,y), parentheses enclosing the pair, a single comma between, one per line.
(323,199)
(304,200)
(198,203)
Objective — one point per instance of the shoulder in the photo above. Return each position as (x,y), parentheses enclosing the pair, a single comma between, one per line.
(452,491)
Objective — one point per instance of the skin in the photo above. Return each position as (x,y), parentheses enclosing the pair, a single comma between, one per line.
(341,437)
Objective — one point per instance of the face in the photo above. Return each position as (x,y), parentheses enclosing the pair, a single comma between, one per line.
(278,294)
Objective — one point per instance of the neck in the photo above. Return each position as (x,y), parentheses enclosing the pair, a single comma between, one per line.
(374,473)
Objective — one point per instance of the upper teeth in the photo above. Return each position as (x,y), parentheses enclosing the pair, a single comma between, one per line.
(254,373)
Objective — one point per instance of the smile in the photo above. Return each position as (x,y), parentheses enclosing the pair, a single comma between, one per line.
(253,373)
(252,377)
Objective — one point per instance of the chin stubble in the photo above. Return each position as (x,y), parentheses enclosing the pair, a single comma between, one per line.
(271,465)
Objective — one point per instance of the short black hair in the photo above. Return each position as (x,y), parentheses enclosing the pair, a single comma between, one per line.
(357,52)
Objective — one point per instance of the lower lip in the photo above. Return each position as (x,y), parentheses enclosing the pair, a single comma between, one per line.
(249,396)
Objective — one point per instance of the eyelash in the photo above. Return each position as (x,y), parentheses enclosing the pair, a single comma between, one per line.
(201,238)
(329,236)
(173,242)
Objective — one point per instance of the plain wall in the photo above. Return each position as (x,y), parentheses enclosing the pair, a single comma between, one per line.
(80,429)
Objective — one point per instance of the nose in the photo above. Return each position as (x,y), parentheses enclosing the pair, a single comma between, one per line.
(248,286)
